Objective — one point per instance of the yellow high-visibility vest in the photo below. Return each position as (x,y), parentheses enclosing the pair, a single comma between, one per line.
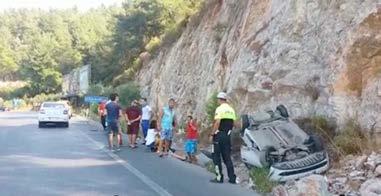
(225,111)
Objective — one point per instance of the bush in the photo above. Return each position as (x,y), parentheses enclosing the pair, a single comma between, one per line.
(173,33)
(20,92)
(129,74)
(127,93)
(211,106)
(8,104)
(260,177)
(153,44)
(13,89)
(94,108)
(43,97)
(6,91)
(351,139)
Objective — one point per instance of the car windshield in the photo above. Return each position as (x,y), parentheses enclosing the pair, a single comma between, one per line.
(53,105)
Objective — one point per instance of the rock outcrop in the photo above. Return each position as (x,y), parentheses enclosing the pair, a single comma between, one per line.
(356,175)
(371,187)
(351,177)
(316,57)
(314,185)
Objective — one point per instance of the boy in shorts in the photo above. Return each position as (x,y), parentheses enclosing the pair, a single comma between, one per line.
(191,139)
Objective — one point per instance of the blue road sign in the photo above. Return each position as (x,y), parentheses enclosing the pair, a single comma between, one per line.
(95,99)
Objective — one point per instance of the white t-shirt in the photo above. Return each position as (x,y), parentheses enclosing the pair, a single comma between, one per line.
(151,134)
(146,112)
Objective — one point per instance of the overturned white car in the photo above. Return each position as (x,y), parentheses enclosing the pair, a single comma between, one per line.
(273,140)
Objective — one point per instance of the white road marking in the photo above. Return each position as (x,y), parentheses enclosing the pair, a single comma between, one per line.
(154,186)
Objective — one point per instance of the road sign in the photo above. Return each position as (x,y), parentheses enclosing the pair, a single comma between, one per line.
(95,99)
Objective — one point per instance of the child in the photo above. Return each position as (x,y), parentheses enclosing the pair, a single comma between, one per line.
(191,139)
(153,136)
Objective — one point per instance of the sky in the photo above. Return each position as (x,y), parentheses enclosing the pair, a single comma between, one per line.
(55,4)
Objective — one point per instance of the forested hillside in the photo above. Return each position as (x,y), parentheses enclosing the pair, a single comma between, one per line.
(39,46)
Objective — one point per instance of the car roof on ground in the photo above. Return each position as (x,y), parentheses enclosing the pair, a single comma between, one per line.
(278,133)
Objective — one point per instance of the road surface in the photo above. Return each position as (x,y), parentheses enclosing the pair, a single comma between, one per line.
(73,161)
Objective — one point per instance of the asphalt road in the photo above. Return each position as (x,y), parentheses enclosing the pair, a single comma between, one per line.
(73,161)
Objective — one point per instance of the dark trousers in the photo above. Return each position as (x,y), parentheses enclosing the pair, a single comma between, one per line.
(222,148)
(103,121)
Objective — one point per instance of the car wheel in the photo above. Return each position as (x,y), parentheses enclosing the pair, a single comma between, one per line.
(282,111)
(66,124)
(317,145)
(268,150)
(245,123)
(41,125)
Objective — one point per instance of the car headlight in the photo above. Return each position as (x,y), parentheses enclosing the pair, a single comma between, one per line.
(321,155)
(281,165)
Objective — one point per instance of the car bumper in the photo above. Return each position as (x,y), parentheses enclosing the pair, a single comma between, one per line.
(53,119)
(299,168)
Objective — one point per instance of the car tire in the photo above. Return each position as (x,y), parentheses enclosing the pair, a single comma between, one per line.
(268,150)
(317,144)
(41,125)
(245,123)
(282,111)
(66,124)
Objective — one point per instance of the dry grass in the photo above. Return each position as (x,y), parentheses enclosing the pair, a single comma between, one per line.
(350,139)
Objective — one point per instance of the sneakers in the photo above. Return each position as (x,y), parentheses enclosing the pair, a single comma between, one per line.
(172,150)
(236,181)
(216,181)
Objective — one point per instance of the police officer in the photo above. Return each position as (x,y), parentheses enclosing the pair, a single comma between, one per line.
(220,135)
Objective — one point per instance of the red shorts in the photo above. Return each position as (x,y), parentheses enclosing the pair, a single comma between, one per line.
(133,128)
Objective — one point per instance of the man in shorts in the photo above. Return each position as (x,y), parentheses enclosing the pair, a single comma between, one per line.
(167,123)
(113,112)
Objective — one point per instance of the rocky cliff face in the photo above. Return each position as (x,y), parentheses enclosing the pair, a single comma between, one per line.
(317,57)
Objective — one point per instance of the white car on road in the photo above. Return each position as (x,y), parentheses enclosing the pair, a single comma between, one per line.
(53,113)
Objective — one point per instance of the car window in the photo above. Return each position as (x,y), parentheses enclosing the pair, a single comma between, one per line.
(53,105)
